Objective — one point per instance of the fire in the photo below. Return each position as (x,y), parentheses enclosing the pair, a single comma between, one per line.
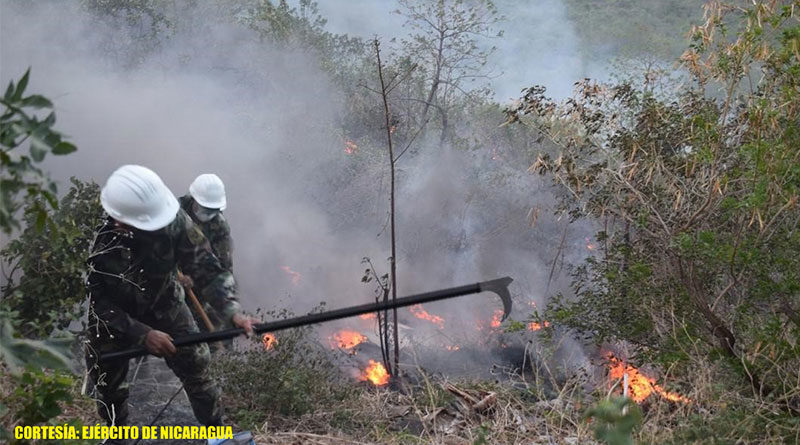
(498,315)
(589,244)
(640,386)
(346,339)
(350,147)
(535,326)
(295,275)
(423,314)
(375,373)
(368,316)
(452,348)
(269,341)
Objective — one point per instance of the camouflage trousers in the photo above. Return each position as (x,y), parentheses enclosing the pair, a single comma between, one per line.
(190,365)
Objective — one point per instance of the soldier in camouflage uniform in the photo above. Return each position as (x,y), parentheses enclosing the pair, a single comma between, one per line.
(204,204)
(135,298)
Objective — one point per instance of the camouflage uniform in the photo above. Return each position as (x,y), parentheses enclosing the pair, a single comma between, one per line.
(133,288)
(216,230)
(218,233)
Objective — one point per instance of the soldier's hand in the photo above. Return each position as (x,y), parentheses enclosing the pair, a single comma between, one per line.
(159,343)
(244,322)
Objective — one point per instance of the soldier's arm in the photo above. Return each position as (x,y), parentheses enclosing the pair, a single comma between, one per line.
(223,245)
(111,319)
(195,258)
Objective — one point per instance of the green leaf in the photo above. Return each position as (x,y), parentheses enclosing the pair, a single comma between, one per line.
(9,91)
(64,148)
(38,149)
(37,101)
(51,198)
(23,83)
(41,218)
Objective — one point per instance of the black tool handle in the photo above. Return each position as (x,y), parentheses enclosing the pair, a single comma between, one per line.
(278,325)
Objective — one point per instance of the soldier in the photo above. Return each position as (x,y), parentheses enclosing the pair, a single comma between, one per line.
(205,203)
(135,298)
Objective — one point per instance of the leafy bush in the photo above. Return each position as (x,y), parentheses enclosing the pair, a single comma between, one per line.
(614,420)
(37,397)
(697,188)
(46,286)
(50,253)
(20,127)
(293,377)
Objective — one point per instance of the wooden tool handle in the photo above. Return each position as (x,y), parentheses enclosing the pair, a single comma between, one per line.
(197,306)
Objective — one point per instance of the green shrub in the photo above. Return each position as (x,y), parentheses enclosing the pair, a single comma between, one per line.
(46,287)
(292,378)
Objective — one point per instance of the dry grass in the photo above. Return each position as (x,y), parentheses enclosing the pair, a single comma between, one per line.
(438,411)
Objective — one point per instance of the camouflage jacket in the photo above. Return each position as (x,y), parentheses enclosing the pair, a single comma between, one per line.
(216,230)
(133,276)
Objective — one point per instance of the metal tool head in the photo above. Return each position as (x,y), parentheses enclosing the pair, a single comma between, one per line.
(500,287)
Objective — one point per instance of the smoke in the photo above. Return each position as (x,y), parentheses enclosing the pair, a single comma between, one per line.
(215,99)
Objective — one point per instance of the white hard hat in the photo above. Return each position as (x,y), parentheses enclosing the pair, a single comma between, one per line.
(136,196)
(209,191)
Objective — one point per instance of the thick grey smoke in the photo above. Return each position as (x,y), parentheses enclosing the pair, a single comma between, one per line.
(303,214)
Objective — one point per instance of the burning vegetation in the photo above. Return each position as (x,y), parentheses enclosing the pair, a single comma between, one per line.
(269,341)
(375,373)
(640,386)
(293,276)
(422,314)
(350,147)
(346,339)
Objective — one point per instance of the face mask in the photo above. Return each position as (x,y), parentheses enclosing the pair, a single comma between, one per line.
(204,214)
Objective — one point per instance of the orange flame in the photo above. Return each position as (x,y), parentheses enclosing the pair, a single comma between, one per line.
(346,339)
(640,386)
(269,341)
(423,314)
(589,244)
(350,147)
(498,315)
(295,275)
(375,373)
(535,326)
(368,316)
(452,348)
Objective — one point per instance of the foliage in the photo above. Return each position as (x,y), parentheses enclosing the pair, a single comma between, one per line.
(697,190)
(303,27)
(21,127)
(141,26)
(37,397)
(446,46)
(37,394)
(16,352)
(614,420)
(291,378)
(636,29)
(46,284)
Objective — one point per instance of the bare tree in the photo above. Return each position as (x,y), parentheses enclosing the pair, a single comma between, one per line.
(445,43)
